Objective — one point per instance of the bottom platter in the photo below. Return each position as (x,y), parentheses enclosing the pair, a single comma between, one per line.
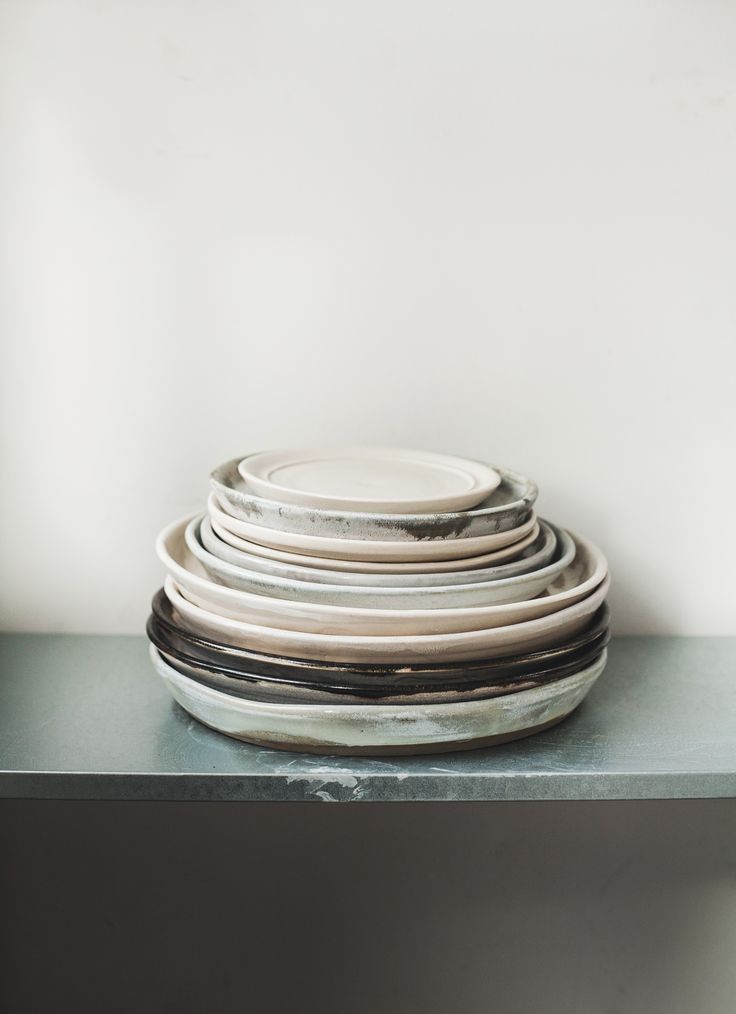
(381,729)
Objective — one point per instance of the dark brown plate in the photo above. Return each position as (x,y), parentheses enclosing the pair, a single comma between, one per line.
(287,691)
(376,681)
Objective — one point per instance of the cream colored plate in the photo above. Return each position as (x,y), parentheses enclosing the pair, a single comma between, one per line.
(576,581)
(362,550)
(374,479)
(367,566)
(391,649)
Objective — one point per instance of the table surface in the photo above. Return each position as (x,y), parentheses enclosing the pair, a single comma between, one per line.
(85,717)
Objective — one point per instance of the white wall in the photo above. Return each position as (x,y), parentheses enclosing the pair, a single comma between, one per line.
(504,230)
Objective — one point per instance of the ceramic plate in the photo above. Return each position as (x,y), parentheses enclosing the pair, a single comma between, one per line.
(513,589)
(375,677)
(250,674)
(373,479)
(382,729)
(359,550)
(577,580)
(489,643)
(507,507)
(374,552)
(258,688)
(433,567)
(536,555)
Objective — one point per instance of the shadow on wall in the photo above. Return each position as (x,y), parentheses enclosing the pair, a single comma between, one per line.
(633,608)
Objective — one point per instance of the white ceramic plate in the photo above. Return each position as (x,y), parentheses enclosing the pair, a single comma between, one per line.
(577,581)
(367,566)
(362,551)
(378,728)
(507,507)
(534,556)
(483,593)
(374,479)
(493,642)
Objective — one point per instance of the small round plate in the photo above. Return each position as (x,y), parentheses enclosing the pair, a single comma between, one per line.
(359,550)
(374,479)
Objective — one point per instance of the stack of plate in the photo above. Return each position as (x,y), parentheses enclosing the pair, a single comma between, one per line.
(376,601)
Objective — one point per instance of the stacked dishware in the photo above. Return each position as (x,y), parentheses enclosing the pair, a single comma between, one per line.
(376,601)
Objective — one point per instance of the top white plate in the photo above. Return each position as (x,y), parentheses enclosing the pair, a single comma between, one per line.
(374,479)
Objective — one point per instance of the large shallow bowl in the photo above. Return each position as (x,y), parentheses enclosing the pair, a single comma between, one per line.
(380,729)
(372,551)
(576,582)
(368,565)
(267,678)
(534,556)
(375,678)
(507,507)
(488,643)
(513,589)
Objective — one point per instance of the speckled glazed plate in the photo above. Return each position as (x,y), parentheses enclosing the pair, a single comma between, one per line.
(380,729)
(539,552)
(575,582)
(280,679)
(378,480)
(508,506)
(375,551)
(528,635)
(483,593)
